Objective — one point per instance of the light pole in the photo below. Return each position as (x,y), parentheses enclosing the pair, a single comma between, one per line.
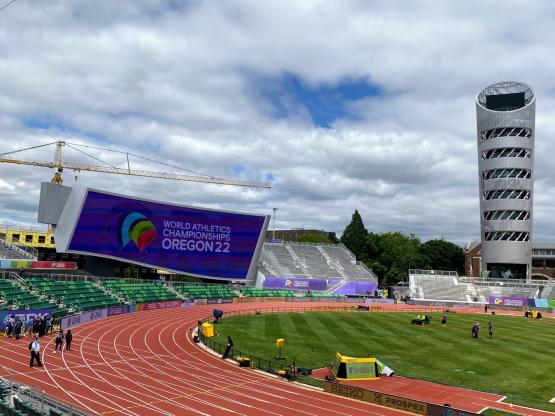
(274,224)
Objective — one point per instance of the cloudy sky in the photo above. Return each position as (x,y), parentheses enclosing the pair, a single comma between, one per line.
(341,105)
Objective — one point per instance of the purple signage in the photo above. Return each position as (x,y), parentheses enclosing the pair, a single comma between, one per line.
(508,300)
(189,240)
(353,288)
(26,316)
(294,283)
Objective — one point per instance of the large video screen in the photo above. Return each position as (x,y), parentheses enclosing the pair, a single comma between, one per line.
(190,240)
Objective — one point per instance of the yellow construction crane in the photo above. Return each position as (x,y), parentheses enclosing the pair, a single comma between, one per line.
(59,164)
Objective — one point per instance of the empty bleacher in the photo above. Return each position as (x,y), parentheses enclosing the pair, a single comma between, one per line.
(206,292)
(435,287)
(311,260)
(257,292)
(140,292)
(10,251)
(81,295)
(16,296)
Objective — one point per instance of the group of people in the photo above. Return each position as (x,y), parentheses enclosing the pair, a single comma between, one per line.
(39,325)
(15,327)
(34,346)
(475,327)
(476,330)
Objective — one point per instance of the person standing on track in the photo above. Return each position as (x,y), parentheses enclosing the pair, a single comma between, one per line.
(59,341)
(228,347)
(35,352)
(69,337)
(443,319)
(17,329)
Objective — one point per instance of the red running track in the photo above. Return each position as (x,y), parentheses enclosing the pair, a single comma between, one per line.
(145,363)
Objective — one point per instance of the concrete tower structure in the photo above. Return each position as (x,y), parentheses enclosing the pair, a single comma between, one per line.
(506,114)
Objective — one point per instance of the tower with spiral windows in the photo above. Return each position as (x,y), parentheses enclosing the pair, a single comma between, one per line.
(506,114)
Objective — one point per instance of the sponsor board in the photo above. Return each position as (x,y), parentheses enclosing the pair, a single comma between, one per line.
(157,305)
(508,300)
(387,400)
(200,301)
(395,402)
(25,315)
(213,301)
(295,283)
(29,264)
(187,304)
(83,318)
(244,300)
(118,310)
(380,301)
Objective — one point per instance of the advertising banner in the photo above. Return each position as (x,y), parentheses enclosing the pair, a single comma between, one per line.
(30,264)
(380,301)
(66,265)
(196,241)
(26,316)
(118,310)
(157,305)
(75,320)
(508,300)
(294,283)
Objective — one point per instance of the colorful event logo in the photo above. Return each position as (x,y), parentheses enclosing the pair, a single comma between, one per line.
(289,283)
(498,301)
(135,226)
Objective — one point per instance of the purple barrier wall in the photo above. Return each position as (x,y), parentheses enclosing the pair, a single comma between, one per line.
(25,315)
(355,288)
(294,283)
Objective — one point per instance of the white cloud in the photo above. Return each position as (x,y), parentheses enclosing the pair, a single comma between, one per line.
(175,84)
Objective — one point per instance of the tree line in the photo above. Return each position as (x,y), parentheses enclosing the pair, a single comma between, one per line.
(391,254)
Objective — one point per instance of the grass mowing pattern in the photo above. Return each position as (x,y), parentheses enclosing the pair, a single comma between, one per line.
(518,362)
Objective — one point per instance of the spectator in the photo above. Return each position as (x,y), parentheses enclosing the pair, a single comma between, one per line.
(59,341)
(10,325)
(69,337)
(49,325)
(42,326)
(490,329)
(18,328)
(443,319)
(34,346)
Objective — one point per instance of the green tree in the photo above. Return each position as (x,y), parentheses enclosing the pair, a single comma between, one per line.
(444,255)
(313,238)
(354,236)
(333,238)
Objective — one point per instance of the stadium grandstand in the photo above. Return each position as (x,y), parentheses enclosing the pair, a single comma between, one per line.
(441,285)
(318,268)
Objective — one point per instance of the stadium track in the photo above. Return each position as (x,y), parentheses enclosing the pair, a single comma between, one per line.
(145,363)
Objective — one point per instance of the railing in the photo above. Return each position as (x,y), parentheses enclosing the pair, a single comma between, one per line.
(433,272)
(39,398)
(27,251)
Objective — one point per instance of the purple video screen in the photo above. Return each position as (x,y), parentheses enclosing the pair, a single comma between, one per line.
(195,241)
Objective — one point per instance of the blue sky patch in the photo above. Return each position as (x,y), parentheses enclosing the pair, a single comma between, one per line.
(289,94)
(51,123)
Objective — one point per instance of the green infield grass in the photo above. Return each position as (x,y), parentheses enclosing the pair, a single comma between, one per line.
(519,361)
